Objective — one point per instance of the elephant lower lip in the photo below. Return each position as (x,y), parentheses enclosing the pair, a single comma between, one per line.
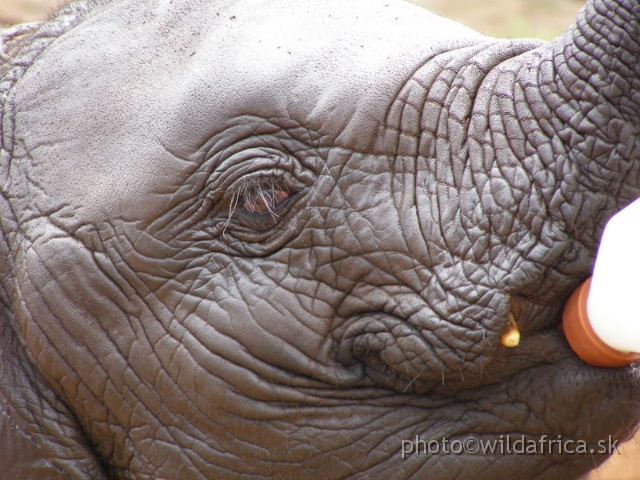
(366,334)
(397,355)
(376,341)
(394,353)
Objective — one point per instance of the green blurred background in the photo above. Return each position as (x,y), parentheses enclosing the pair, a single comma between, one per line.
(544,19)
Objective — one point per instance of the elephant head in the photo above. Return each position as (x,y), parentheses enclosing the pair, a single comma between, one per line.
(281,239)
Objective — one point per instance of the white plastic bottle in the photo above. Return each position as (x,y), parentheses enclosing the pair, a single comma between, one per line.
(601,319)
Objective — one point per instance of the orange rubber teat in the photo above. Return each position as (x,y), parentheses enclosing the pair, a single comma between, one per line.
(582,338)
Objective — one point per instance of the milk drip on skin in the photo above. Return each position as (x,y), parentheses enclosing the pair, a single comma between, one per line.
(602,318)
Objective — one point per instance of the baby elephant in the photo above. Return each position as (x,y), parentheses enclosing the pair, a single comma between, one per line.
(299,240)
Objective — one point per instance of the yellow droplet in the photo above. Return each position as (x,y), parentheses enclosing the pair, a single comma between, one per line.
(511,338)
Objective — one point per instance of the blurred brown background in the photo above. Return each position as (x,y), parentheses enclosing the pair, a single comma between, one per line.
(19,11)
(501,18)
(544,19)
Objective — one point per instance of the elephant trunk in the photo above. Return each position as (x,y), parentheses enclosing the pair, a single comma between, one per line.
(563,121)
(601,54)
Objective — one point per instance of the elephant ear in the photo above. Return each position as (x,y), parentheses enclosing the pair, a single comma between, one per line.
(40,438)
(19,449)
(20,456)
(12,40)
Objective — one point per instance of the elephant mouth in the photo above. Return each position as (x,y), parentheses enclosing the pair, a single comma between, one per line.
(541,381)
(385,345)
(398,355)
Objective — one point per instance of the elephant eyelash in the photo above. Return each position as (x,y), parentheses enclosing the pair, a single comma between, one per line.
(258,197)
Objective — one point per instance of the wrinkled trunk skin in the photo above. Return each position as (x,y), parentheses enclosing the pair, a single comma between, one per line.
(157,322)
(569,113)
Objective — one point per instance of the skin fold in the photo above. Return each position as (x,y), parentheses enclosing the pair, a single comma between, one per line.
(274,239)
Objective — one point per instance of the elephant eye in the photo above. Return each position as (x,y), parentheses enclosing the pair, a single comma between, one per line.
(254,196)
(264,200)
(258,202)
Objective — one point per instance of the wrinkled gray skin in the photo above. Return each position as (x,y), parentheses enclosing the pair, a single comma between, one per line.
(273,239)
